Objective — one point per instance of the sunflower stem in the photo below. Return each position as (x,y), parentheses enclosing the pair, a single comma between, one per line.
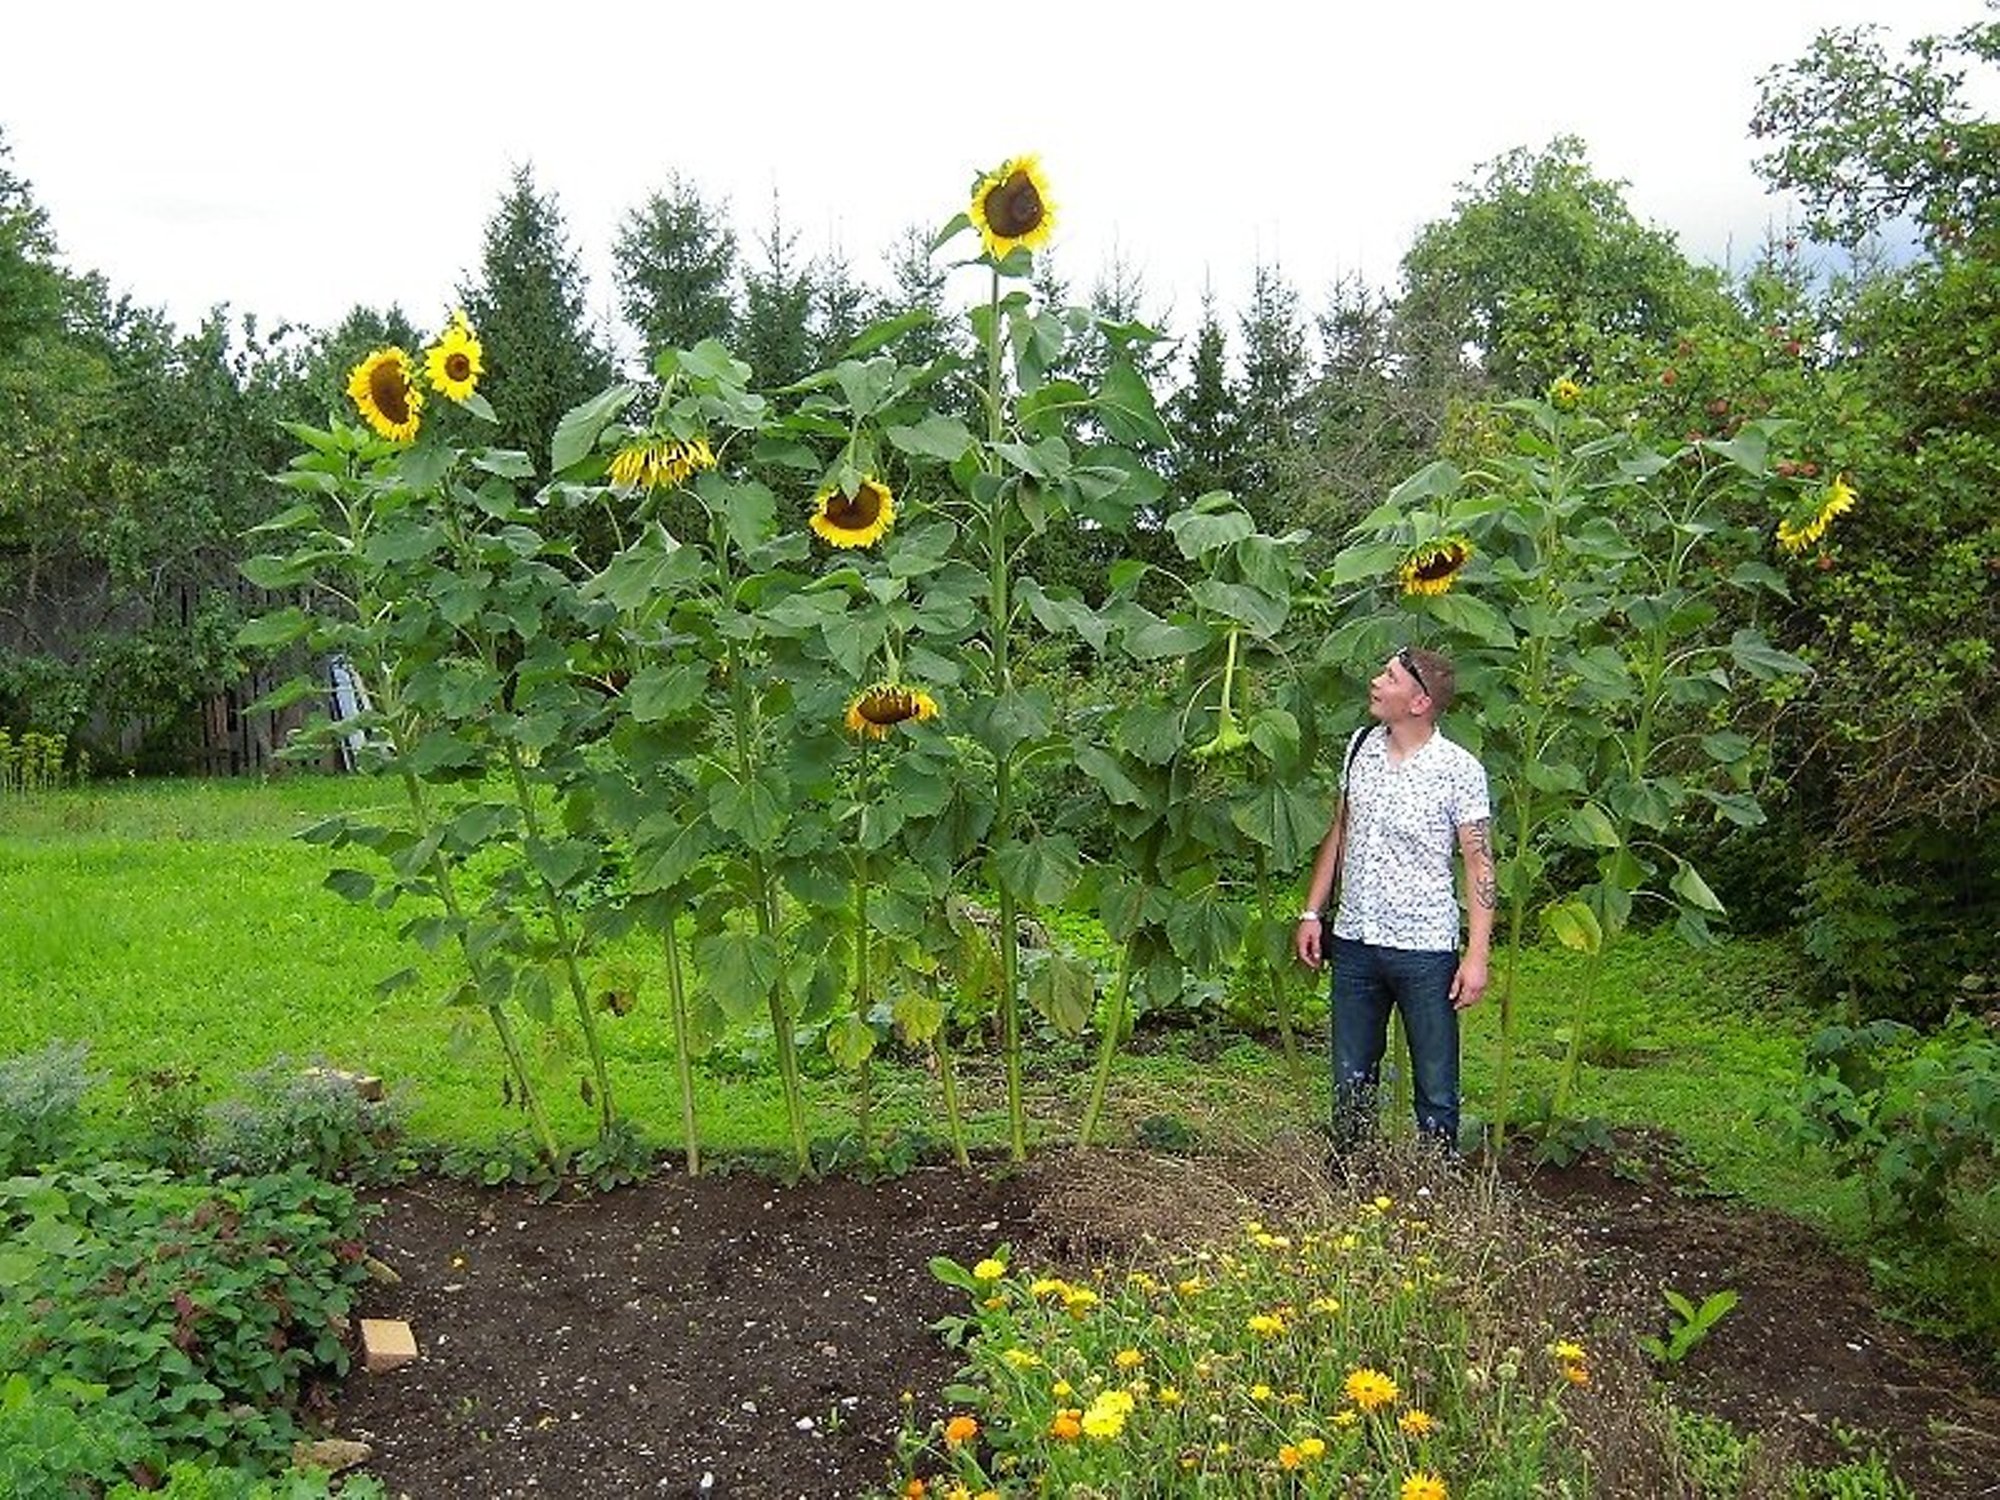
(559,920)
(862,1004)
(1107,1048)
(1281,995)
(683,1044)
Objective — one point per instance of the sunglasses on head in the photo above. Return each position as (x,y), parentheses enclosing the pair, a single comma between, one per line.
(1409,664)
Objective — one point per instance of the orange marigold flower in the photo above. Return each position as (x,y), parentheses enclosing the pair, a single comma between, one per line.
(1369,1389)
(1067,1424)
(960,1429)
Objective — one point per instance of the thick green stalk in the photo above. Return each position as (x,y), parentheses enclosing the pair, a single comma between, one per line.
(683,1046)
(767,926)
(1281,995)
(1107,1047)
(948,1078)
(559,921)
(865,1100)
(510,1045)
(1003,821)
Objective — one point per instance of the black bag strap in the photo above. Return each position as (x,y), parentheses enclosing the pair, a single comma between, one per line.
(1340,812)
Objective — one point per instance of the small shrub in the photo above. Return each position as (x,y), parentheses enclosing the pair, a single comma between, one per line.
(41,1097)
(203,1312)
(188,1480)
(288,1116)
(55,1440)
(164,1119)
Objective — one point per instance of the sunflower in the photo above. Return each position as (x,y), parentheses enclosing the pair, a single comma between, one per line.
(1565,393)
(454,363)
(652,463)
(1432,567)
(384,386)
(885,705)
(855,520)
(1010,206)
(1802,528)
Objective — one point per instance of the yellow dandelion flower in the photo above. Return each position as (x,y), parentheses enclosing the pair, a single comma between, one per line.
(1347,1416)
(874,714)
(1190,1287)
(1169,1396)
(1323,1305)
(1416,1423)
(1312,1447)
(1382,1205)
(1809,520)
(455,362)
(857,520)
(1078,1299)
(1010,207)
(1271,1241)
(1260,1392)
(384,387)
(1047,1286)
(1020,1359)
(1564,1349)
(1565,393)
(1105,1417)
(1432,567)
(1129,1359)
(961,1429)
(1266,1324)
(988,1269)
(1423,1485)
(1369,1388)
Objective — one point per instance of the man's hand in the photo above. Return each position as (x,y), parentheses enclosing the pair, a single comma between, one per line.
(1306,942)
(1469,983)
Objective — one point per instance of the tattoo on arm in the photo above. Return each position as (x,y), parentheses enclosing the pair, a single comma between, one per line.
(1479,868)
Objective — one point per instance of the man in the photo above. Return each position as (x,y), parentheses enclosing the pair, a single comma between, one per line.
(1409,796)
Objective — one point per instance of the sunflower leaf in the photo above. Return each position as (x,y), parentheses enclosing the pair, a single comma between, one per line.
(577,433)
(740,968)
(1064,990)
(1197,532)
(1041,870)
(942,438)
(1126,405)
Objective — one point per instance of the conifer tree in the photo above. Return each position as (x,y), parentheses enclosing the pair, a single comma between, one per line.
(675,262)
(528,307)
(1272,395)
(776,335)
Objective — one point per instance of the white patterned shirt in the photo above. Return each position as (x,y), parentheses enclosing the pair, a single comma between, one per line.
(1396,888)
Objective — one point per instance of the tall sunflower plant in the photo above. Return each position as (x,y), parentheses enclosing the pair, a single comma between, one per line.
(421,579)
(1602,597)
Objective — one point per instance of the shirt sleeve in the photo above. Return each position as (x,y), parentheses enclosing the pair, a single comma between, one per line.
(1471,802)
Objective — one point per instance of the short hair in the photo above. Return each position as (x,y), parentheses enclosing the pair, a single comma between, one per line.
(1440,680)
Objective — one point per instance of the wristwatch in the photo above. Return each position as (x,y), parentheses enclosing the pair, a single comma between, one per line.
(1309,916)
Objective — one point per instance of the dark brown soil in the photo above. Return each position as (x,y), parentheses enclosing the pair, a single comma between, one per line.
(728,1336)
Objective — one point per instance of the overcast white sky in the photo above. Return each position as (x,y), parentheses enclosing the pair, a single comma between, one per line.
(295,160)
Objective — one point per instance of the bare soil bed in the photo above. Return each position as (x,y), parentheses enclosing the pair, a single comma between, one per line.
(730,1336)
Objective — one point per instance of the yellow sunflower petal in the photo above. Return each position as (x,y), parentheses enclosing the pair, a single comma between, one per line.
(1432,567)
(384,387)
(1010,207)
(455,362)
(857,520)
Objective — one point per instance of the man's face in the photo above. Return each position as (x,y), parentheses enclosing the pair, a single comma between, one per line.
(1393,694)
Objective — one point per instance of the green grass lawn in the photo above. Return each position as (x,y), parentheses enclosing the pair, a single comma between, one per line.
(182,925)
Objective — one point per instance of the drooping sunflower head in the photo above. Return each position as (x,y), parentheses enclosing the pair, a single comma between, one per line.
(1808,519)
(1010,207)
(857,520)
(455,362)
(384,387)
(654,462)
(1432,567)
(885,705)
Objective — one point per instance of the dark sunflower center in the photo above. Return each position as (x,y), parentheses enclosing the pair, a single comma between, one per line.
(390,394)
(457,365)
(1440,564)
(888,708)
(856,512)
(1014,208)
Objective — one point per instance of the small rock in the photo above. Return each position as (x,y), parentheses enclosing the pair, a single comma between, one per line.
(331,1454)
(379,1273)
(386,1344)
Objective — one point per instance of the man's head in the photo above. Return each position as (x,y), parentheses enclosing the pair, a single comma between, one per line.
(1414,683)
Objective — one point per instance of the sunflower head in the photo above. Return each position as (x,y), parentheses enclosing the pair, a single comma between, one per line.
(1432,567)
(857,520)
(455,362)
(1010,207)
(384,387)
(884,706)
(1809,518)
(1564,394)
(653,462)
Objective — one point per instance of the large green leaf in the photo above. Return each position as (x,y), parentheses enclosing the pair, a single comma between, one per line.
(756,811)
(666,852)
(850,1041)
(1102,767)
(739,969)
(1265,614)
(663,690)
(577,433)
(1039,870)
(280,628)
(1761,659)
(1575,925)
(1196,531)
(1364,561)
(1286,819)
(1686,883)
(1205,930)
(1125,405)
(943,438)
(1064,990)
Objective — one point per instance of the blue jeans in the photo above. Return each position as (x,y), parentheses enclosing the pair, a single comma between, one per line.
(1369,982)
